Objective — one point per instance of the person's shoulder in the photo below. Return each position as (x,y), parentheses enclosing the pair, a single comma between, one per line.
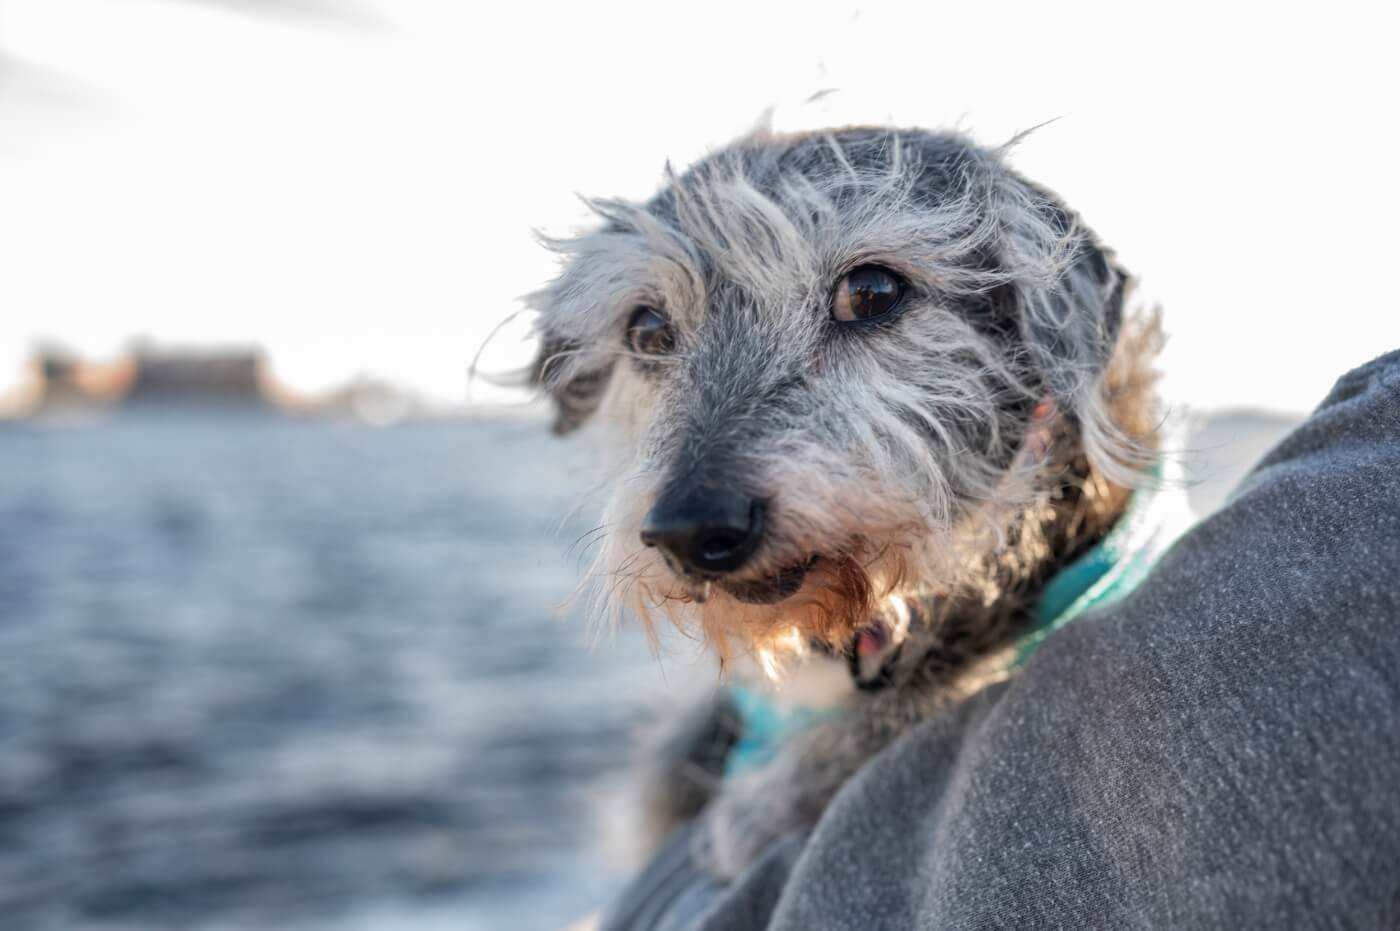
(1293,579)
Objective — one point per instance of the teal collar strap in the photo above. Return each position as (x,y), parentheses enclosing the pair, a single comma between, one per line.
(1114,567)
(764,726)
(1110,570)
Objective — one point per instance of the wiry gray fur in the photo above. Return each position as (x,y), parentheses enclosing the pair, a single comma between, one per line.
(896,454)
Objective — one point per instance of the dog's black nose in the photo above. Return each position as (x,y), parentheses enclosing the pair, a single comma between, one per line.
(708,532)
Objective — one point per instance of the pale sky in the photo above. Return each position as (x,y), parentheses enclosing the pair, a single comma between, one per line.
(353,185)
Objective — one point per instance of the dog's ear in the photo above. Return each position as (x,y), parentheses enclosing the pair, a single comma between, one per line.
(1070,293)
(606,269)
(575,389)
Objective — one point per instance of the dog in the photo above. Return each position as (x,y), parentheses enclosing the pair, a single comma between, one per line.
(867,392)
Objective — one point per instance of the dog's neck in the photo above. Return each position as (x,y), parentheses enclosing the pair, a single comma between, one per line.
(952,634)
(936,637)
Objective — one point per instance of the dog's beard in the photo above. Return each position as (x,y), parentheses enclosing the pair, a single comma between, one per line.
(771,610)
(831,565)
(793,594)
(834,597)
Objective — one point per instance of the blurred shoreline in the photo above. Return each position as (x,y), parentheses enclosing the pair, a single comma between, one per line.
(60,387)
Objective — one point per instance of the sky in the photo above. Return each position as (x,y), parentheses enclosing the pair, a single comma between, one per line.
(356,185)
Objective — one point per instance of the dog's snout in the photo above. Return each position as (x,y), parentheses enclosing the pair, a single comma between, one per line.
(707,532)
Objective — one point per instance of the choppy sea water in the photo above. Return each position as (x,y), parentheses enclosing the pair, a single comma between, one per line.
(262,672)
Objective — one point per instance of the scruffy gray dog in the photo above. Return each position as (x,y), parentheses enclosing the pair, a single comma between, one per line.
(868,391)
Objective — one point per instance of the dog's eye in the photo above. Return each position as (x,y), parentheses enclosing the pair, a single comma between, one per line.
(866,293)
(649,333)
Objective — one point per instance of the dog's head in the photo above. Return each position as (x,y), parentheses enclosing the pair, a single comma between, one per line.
(835,365)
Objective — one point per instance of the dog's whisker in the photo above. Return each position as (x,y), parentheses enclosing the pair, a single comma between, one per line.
(587,536)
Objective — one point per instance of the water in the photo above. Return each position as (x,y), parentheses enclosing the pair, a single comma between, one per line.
(260,672)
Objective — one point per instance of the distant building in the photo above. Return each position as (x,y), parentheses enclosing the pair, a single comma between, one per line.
(61,386)
(223,377)
(64,386)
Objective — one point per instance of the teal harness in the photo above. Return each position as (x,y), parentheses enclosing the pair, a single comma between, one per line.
(1115,566)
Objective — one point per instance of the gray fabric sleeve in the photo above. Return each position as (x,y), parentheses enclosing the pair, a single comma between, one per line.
(1219,750)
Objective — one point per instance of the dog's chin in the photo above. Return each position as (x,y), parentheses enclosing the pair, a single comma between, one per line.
(773,589)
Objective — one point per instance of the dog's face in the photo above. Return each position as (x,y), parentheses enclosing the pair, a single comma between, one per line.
(832,363)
